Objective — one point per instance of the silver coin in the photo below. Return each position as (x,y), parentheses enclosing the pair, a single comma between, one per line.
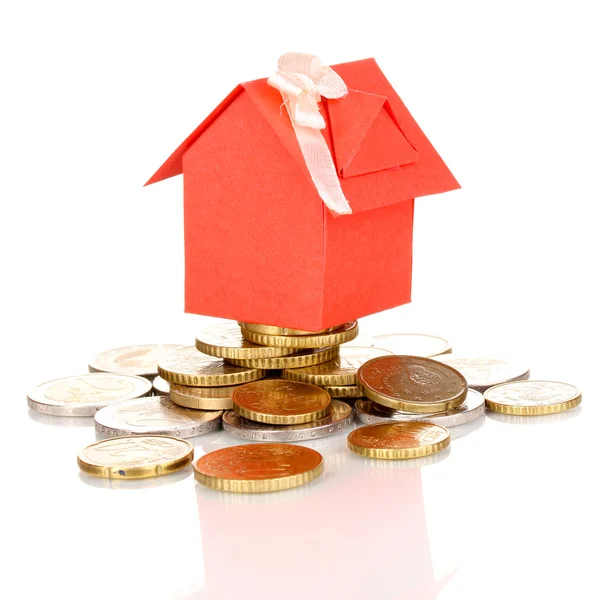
(470,410)
(483,373)
(160,386)
(341,415)
(155,415)
(132,360)
(84,395)
(413,344)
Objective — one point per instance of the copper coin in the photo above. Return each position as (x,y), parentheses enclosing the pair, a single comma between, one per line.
(412,384)
(281,402)
(256,468)
(398,440)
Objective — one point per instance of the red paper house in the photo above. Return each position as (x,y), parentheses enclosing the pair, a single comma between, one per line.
(261,246)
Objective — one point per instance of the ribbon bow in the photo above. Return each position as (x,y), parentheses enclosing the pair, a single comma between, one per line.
(302,80)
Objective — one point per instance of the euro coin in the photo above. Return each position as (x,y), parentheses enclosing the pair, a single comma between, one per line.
(529,398)
(339,371)
(84,395)
(483,373)
(155,415)
(132,360)
(398,440)
(343,391)
(258,468)
(413,344)
(473,408)
(160,386)
(203,398)
(281,402)
(345,333)
(412,384)
(225,340)
(274,330)
(192,368)
(313,356)
(135,457)
(341,415)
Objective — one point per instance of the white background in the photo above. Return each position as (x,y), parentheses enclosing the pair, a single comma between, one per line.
(95,95)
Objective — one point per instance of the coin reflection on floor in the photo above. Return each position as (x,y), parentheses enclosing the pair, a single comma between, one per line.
(535,420)
(56,421)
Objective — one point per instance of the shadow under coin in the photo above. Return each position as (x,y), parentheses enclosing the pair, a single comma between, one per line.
(536,419)
(136,484)
(459,431)
(57,421)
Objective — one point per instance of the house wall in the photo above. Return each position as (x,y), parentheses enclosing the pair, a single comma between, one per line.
(368,262)
(253,226)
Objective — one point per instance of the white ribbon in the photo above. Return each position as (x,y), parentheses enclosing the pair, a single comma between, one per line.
(302,80)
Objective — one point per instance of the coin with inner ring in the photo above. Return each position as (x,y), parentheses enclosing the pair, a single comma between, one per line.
(132,360)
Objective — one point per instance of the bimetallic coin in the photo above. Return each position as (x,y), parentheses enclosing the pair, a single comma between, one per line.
(483,373)
(225,340)
(313,356)
(473,408)
(413,344)
(132,360)
(343,391)
(257,468)
(155,415)
(340,371)
(192,368)
(203,398)
(274,330)
(398,440)
(527,398)
(341,415)
(412,384)
(84,395)
(345,333)
(281,402)
(160,386)
(135,457)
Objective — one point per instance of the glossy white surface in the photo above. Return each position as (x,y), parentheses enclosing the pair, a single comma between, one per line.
(97,96)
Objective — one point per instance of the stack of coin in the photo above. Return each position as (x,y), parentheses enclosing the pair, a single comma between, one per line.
(412,388)
(276,410)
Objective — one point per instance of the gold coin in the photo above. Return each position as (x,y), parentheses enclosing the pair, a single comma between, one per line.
(313,356)
(274,330)
(528,398)
(345,333)
(339,371)
(135,457)
(192,368)
(281,402)
(226,341)
(258,468)
(398,440)
(412,384)
(343,391)
(203,398)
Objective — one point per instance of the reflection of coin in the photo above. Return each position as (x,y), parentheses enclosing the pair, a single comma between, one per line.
(412,384)
(344,333)
(339,371)
(225,340)
(532,397)
(281,402)
(273,330)
(192,368)
(155,415)
(312,356)
(203,398)
(132,360)
(482,373)
(82,396)
(160,386)
(135,457)
(258,468)
(413,344)
(398,440)
(471,409)
(341,415)
(343,391)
